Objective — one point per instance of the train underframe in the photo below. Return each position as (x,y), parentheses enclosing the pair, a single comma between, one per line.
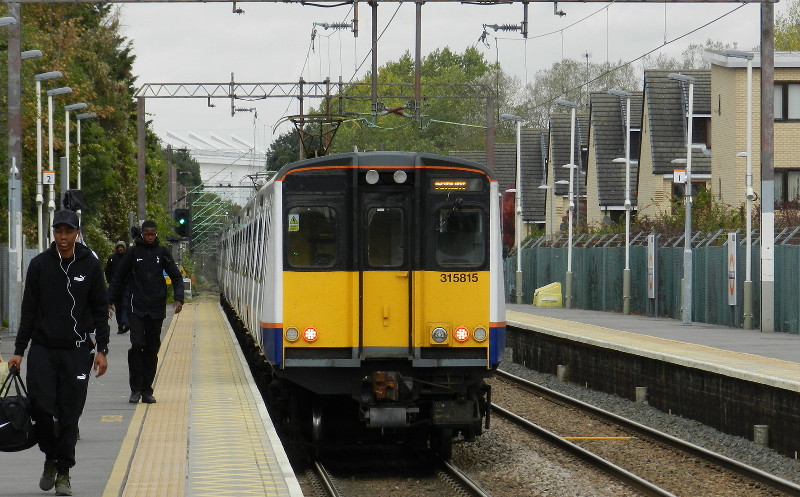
(382,402)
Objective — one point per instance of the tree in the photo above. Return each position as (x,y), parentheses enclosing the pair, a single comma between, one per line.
(568,79)
(690,58)
(283,150)
(447,123)
(84,43)
(187,169)
(787,33)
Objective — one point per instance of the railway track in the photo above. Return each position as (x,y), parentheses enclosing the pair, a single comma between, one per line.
(441,479)
(707,468)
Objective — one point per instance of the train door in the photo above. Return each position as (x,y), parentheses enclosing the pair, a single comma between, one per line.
(385,274)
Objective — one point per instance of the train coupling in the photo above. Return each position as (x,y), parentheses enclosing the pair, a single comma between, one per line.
(386,385)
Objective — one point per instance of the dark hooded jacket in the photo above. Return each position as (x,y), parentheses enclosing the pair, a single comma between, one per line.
(63,301)
(142,267)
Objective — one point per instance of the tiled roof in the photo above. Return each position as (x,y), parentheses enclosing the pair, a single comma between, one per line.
(560,126)
(608,129)
(667,103)
(534,173)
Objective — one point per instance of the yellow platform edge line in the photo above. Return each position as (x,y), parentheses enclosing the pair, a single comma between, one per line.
(287,472)
(119,473)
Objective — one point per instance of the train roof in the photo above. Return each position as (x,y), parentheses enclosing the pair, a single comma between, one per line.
(402,160)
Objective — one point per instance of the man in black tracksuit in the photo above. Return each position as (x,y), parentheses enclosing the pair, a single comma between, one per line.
(142,268)
(63,302)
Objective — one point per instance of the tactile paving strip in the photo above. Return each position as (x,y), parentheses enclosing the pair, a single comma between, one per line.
(229,453)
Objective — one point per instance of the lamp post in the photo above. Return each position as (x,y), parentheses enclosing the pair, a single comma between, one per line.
(14,288)
(626,273)
(571,166)
(747,296)
(51,200)
(686,298)
(39,190)
(65,174)
(545,186)
(79,118)
(517,204)
(15,242)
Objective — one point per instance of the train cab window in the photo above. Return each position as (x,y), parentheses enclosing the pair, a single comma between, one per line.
(385,235)
(311,237)
(460,237)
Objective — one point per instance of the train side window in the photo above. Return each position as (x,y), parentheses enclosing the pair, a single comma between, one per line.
(460,237)
(385,237)
(311,237)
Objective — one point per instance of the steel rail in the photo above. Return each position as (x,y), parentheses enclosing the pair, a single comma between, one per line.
(326,479)
(732,465)
(621,474)
(455,472)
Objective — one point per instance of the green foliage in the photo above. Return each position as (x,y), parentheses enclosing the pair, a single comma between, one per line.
(709,214)
(447,123)
(284,150)
(787,32)
(84,43)
(187,169)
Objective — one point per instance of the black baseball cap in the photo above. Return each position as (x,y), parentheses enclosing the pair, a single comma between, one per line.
(65,216)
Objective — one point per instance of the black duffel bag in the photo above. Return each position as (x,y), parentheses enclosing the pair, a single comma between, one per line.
(17,431)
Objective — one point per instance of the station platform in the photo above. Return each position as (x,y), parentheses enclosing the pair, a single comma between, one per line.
(208,434)
(772,358)
(732,379)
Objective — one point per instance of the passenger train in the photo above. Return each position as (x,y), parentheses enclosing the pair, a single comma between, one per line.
(371,284)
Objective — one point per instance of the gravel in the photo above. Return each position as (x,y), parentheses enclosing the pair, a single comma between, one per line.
(733,447)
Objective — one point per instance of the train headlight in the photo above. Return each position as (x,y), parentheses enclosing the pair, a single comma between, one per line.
(310,334)
(439,335)
(461,334)
(372,176)
(479,334)
(400,176)
(292,334)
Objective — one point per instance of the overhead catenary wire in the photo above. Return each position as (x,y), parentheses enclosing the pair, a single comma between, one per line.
(550,99)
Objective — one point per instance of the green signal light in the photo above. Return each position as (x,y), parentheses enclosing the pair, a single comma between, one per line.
(181,221)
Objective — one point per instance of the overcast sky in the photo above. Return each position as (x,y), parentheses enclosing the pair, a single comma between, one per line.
(270,42)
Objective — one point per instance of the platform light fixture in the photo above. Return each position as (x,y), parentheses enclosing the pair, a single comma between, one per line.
(571,166)
(39,190)
(686,298)
(626,273)
(517,204)
(51,199)
(749,193)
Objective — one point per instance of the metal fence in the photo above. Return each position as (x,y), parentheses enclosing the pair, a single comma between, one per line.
(597,280)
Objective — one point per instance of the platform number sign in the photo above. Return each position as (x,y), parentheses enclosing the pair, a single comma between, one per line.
(733,243)
(651,266)
(294,222)
(48,177)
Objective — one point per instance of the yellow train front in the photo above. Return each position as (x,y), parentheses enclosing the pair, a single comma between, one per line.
(379,294)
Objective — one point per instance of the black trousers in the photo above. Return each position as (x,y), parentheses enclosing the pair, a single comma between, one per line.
(143,354)
(58,380)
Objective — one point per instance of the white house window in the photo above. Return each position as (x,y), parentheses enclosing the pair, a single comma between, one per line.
(787,101)
(787,186)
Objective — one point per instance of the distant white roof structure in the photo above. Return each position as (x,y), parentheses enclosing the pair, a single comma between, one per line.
(232,173)
(782,59)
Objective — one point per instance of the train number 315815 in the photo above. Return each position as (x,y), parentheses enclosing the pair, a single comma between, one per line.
(458,277)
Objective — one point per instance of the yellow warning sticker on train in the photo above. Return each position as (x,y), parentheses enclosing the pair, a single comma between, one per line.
(294,222)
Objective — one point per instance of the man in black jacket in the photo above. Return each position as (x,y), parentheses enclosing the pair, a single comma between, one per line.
(143,267)
(121,304)
(63,302)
